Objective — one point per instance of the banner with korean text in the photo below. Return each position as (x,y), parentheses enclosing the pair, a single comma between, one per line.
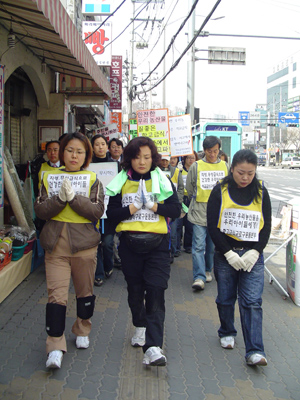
(110,131)
(155,124)
(181,135)
(115,102)
(97,40)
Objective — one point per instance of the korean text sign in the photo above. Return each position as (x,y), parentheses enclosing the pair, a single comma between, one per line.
(181,135)
(155,124)
(116,83)
(98,41)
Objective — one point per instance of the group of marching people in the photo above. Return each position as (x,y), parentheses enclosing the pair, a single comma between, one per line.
(226,214)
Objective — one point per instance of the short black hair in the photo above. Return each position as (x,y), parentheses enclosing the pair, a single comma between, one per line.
(51,141)
(211,141)
(118,142)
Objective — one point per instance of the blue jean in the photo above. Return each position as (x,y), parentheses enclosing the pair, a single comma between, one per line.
(188,233)
(202,252)
(248,288)
(105,255)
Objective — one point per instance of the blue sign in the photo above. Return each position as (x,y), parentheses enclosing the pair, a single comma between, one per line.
(244,118)
(220,128)
(288,118)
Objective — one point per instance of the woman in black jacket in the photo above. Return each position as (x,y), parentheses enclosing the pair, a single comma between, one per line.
(143,199)
(239,222)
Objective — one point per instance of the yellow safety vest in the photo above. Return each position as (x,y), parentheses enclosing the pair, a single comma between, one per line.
(184,176)
(242,223)
(143,220)
(81,181)
(174,178)
(44,168)
(208,175)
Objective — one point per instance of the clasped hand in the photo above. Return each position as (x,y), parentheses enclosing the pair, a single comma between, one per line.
(66,192)
(143,197)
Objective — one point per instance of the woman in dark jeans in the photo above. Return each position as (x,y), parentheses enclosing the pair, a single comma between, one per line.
(141,203)
(239,222)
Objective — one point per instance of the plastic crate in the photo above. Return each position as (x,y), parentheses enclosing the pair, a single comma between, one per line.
(18,252)
(29,245)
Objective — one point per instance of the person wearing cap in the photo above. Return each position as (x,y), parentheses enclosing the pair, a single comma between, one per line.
(201,178)
(175,176)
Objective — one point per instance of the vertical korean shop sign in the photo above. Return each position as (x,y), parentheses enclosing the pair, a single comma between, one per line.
(1,131)
(155,124)
(116,83)
(97,41)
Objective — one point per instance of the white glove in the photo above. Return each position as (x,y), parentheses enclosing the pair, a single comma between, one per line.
(68,189)
(235,260)
(138,201)
(148,202)
(250,258)
(62,194)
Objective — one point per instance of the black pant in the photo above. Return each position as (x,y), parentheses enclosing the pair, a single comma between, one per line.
(147,278)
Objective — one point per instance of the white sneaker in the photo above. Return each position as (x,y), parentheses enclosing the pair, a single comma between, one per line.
(256,359)
(198,284)
(82,342)
(138,339)
(227,342)
(154,356)
(208,276)
(54,359)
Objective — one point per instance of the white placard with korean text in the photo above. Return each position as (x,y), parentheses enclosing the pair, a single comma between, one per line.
(181,135)
(80,183)
(142,215)
(244,224)
(208,179)
(105,173)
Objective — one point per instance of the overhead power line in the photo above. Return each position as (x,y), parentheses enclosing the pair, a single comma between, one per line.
(175,64)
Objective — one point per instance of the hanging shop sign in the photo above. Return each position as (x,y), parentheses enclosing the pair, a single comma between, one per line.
(98,40)
(155,124)
(181,135)
(116,83)
(116,118)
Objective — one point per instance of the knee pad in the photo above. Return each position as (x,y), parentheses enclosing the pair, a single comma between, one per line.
(85,307)
(55,319)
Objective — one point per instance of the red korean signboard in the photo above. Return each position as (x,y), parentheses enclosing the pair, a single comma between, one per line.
(116,83)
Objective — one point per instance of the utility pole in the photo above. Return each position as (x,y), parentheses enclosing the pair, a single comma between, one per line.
(130,99)
(191,67)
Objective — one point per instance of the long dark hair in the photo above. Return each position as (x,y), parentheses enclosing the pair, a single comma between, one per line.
(133,148)
(244,156)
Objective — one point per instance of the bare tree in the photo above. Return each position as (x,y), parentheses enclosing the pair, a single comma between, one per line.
(293,137)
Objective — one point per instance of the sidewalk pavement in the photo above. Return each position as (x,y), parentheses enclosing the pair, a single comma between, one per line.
(197,368)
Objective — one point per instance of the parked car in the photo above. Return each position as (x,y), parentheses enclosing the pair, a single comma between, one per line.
(262,159)
(291,162)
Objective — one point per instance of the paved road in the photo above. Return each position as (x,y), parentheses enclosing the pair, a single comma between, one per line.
(198,368)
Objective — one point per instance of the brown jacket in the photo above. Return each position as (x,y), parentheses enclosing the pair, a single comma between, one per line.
(82,236)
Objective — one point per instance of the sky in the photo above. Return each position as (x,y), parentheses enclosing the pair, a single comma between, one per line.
(219,89)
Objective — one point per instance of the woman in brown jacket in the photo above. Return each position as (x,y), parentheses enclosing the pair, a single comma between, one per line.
(71,200)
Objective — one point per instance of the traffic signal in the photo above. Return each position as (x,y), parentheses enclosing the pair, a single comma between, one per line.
(293,125)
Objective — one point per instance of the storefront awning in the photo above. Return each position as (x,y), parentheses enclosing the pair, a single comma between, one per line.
(46,29)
